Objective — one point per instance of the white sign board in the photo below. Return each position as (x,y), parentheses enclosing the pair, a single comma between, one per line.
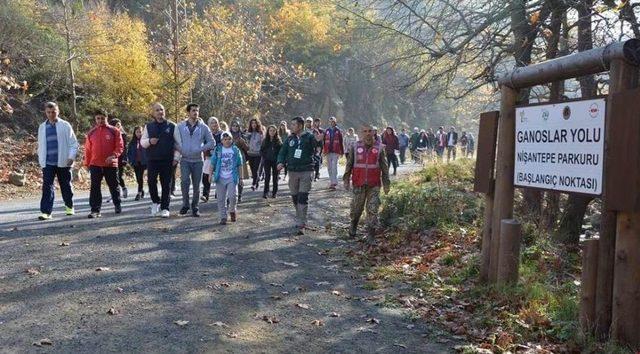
(561,146)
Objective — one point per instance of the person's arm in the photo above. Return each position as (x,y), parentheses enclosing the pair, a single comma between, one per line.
(73,146)
(177,144)
(119,144)
(240,164)
(284,150)
(87,151)
(346,178)
(144,140)
(209,141)
(384,170)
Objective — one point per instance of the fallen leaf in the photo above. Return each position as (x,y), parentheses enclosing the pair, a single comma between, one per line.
(43,342)
(303,306)
(181,323)
(120,290)
(317,323)
(219,324)
(103,269)
(334,314)
(32,272)
(320,283)
(290,264)
(276,297)
(336,293)
(277,285)
(225,284)
(270,319)
(112,311)
(400,345)
(373,320)
(232,335)
(64,244)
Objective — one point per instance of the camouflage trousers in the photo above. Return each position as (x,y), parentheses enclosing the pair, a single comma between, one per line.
(369,198)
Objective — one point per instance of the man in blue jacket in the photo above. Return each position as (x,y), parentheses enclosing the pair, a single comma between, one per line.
(194,137)
(160,138)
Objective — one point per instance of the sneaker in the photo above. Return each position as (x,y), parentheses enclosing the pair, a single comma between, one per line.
(195,213)
(155,208)
(125,193)
(94,215)
(44,216)
(233,216)
(223,221)
(184,210)
(138,196)
(301,229)
(164,213)
(118,209)
(332,187)
(69,211)
(204,199)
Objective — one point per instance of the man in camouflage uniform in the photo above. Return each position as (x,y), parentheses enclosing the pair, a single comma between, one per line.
(367,169)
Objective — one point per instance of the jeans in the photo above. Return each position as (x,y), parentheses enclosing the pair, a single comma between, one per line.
(403,155)
(393,160)
(270,172)
(190,172)
(49,173)
(110,175)
(254,164)
(206,185)
(139,170)
(163,170)
(226,190)
(332,167)
(451,150)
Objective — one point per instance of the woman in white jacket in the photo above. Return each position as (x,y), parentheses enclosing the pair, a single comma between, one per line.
(57,150)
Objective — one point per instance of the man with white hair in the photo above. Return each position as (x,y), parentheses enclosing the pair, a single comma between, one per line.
(57,149)
(333,148)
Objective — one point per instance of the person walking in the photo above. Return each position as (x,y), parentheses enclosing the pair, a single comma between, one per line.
(317,162)
(122,160)
(333,148)
(102,149)
(57,149)
(284,132)
(452,142)
(367,170)
(403,140)
(464,143)
(137,157)
(349,141)
(270,148)
(161,139)
(194,139)
(226,165)
(241,143)
(471,146)
(414,144)
(441,144)
(216,132)
(255,135)
(391,144)
(297,153)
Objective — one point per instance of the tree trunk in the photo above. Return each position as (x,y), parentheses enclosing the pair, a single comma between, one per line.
(570,226)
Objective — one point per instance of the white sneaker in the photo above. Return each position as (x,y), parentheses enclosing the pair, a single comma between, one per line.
(155,208)
(165,213)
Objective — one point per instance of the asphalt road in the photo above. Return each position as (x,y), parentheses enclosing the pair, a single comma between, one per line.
(187,284)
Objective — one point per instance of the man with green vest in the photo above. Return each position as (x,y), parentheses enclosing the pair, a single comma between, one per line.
(297,154)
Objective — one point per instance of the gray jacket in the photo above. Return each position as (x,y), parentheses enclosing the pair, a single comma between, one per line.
(193,142)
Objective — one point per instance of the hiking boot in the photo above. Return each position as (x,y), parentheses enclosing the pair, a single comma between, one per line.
(233,216)
(195,213)
(69,211)
(125,193)
(204,199)
(353,229)
(44,216)
(118,209)
(184,210)
(264,195)
(301,229)
(138,196)
(223,221)
(94,215)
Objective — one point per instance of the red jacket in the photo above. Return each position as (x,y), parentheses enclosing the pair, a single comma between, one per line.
(366,167)
(334,145)
(103,141)
(391,142)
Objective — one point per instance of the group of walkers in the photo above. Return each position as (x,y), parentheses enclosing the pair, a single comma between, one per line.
(213,153)
(424,143)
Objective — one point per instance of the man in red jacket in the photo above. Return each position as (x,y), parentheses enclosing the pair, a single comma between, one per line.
(333,148)
(102,148)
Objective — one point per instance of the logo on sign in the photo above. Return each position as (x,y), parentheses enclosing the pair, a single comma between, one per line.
(522,117)
(566,112)
(594,110)
(545,115)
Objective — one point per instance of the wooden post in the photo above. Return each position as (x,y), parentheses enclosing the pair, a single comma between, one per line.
(623,76)
(505,160)
(485,260)
(509,258)
(589,275)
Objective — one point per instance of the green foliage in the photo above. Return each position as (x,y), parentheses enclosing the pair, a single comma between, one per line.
(438,198)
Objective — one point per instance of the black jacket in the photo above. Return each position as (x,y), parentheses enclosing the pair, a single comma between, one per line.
(270,149)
